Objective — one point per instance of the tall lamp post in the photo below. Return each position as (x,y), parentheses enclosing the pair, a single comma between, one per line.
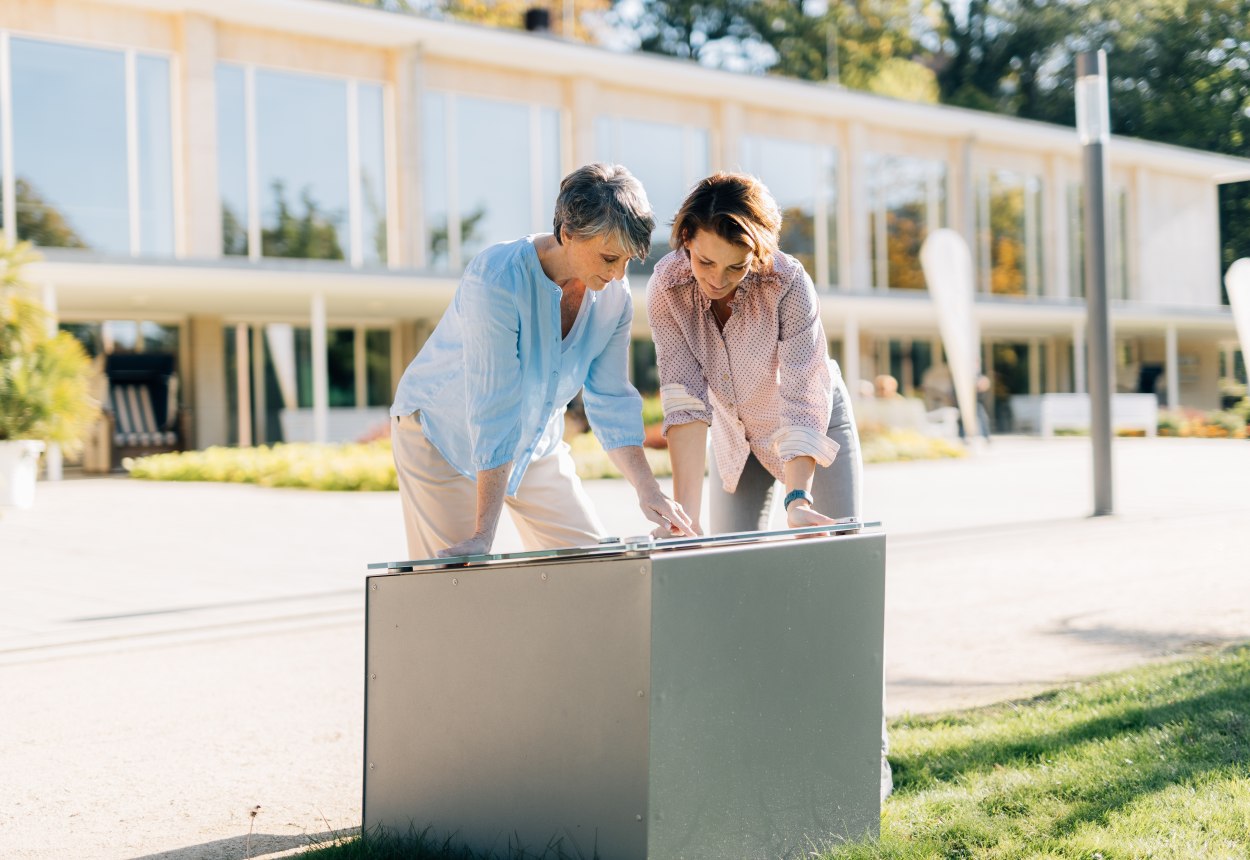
(1093,124)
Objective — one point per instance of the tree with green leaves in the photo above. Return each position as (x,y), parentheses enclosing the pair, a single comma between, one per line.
(864,44)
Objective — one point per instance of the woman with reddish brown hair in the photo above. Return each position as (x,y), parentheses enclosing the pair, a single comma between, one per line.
(742,350)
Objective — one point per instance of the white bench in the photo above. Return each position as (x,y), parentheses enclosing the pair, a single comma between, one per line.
(343,423)
(908,413)
(1045,413)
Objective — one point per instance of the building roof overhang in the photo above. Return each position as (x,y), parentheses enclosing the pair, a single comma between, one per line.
(520,51)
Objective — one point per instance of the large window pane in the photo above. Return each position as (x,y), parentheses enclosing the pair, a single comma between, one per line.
(301,145)
(798,176)
(908,200)
(371,130)
(378,367)
(155,152)
(69,146)
(1010,237)
(340,366)
(158,337)
(478,159)
(549,182)
(650,150)
(434,180)
(493,173)
(232,159)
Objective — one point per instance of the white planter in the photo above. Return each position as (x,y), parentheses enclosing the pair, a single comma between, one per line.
(19,464)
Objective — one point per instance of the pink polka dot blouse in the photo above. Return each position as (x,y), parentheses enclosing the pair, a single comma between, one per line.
(763,384)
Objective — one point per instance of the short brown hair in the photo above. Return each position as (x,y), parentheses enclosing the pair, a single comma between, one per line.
(736,207)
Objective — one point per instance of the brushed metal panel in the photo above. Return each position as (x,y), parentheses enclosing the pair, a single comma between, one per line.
(766,709)
(510,704)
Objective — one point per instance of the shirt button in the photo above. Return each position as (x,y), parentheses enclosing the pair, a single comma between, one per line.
(725,376)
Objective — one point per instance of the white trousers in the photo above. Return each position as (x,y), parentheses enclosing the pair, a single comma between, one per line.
(550,508)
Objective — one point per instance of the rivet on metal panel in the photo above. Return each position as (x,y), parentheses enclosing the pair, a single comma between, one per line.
(638,818)
(643,570)
(374,677)
(544,577)
(455,581)
(370,765)
(373,587)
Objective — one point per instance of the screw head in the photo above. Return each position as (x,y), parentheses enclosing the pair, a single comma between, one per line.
(643,570)
(544,577)
(373,587)
(374,677)
(455,581)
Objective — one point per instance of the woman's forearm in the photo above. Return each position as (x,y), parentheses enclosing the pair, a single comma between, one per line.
(798,474)
(492,486)
(687,449)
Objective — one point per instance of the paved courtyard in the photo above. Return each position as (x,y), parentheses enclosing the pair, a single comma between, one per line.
(175,655)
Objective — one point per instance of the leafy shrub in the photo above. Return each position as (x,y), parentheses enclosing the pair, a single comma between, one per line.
(882,444)
(593,462)
(1217,424)
(366,467)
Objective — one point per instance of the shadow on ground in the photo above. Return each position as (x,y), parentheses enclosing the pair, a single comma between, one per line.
(257,846)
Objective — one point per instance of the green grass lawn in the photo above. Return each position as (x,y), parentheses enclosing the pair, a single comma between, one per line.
(1148,764)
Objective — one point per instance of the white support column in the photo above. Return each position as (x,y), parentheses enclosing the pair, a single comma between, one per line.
(1054,215)
(731,125)
(1035,366)
(53,463)
(404,153)
(850,355)
(258,385)
(132,154)
(243,382)
(8,186)
(360,359)
(355,217)
(1052,365)
(320,369)
(582,104)
(844,277)
(1078,357)
(1173,369)
(859,248)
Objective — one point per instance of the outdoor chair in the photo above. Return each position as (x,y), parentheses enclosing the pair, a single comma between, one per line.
(140,411)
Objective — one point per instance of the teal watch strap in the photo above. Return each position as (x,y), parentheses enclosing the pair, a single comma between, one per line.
(795,495)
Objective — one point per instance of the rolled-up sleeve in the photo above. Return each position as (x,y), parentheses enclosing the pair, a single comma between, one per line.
(492,367)
(613,405)
(683,380)
(805,383)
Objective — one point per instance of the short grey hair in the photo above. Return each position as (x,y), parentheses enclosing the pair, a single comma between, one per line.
(605,200)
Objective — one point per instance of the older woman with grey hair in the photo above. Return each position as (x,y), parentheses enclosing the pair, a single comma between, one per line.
(478,415)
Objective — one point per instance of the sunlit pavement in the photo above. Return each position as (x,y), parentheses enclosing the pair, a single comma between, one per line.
(174,655)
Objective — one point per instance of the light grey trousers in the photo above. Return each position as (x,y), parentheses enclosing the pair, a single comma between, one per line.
(835,488)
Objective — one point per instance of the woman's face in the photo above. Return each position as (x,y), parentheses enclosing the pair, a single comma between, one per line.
(596,260)
(719,265)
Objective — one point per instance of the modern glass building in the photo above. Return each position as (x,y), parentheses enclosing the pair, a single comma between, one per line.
(281,194)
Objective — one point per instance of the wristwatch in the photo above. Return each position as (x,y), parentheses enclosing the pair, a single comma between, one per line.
(794,496)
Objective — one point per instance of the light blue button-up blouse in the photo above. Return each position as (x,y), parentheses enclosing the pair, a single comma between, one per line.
(494,378)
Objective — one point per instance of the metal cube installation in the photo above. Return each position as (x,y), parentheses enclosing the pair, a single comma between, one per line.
(706,700)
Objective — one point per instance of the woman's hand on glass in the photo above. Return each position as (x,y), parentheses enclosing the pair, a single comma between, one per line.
(802,515)
(476,545)
(671,520)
